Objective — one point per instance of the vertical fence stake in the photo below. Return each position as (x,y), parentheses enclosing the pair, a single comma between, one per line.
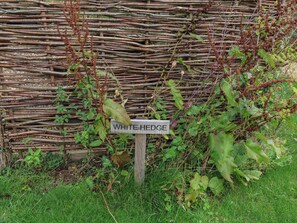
(139,168)
(2,154)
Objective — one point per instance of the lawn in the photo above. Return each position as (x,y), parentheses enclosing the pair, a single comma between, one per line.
(31,198)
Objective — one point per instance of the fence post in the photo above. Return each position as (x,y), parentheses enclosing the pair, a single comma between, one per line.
(3,162)
(2,154)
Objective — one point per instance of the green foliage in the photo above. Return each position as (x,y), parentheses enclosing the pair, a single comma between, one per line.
(230,138)
(216,185)
(235,52)
(266,57)
(116,111)
(198,186)
(212,144)
(94,108)
(52,161)
(228,92)
(159,111)
(254,151)
(178,99)
(221,147)
(33,158)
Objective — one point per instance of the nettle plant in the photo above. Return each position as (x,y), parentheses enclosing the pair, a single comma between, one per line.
(94,108)
(225,138)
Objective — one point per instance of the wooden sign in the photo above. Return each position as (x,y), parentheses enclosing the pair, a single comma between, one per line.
(140,127)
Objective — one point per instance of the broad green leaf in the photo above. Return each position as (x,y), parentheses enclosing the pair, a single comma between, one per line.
(171,132)
(96,143)
(100,129)
(248,175)
(242,174)
(191,197)
(266,57)
(195,182)
(90,115)
(193,129)
(277,149)
(252,109)
(116,111)
(106,163)
(261,137)
(254,151)
(178,98)
(170,153)
(204,182)
(228,91)
(124,173)
(90,183)
(221,147)
(195,110)
(216,186)
(235,52)
(38,151)
(253,174)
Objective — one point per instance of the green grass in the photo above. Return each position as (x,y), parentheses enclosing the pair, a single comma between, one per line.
(35,200)
(273,198)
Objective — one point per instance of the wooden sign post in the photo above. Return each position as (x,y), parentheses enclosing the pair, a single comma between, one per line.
(140,128)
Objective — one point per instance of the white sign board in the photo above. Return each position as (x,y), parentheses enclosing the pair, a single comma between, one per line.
(141,126)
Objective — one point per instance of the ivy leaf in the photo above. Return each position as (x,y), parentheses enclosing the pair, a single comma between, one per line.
(178,98)
(116,111)
(266,57)
(228,91)
(90,115)
(216,186)
(106,162)
(254,151)
(96,143)
(221,147)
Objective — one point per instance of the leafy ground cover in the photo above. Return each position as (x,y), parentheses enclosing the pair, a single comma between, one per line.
(28,197)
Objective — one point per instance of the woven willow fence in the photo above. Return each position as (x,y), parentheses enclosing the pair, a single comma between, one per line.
(136,40)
